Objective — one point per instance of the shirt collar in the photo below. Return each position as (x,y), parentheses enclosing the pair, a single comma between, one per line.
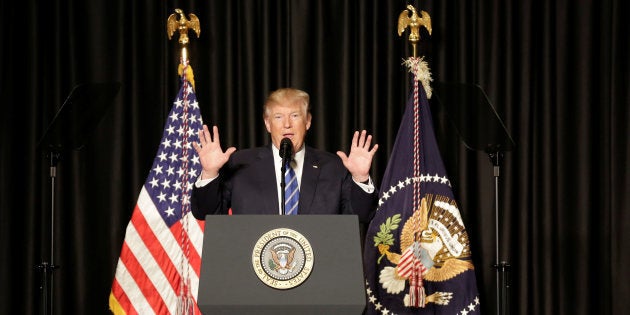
(298,157)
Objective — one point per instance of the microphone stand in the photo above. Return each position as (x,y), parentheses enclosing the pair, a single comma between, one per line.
(283,183)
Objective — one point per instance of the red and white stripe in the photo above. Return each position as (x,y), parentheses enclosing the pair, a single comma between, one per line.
(148,276)
(411,267)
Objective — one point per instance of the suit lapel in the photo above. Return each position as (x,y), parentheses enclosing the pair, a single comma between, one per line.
(310,175)
(269,185)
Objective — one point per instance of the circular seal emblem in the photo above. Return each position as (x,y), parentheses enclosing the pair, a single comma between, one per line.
(282,258)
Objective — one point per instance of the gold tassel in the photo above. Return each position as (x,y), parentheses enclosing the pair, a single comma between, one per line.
(189,76)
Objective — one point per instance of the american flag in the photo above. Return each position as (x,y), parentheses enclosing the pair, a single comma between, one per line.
(417,254)
(158,268)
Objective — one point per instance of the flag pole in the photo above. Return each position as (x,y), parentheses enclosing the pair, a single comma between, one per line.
(185,300)
(409,18)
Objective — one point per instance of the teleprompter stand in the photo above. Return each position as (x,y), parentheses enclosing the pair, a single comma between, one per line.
(80,113)
(481,129)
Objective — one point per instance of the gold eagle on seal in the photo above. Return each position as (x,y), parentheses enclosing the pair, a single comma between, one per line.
(283,260)
(433,243)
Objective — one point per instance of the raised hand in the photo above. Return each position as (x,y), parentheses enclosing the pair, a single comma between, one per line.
(211,155)
(359,161)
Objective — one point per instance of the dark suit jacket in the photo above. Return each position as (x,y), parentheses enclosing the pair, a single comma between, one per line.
(247,184)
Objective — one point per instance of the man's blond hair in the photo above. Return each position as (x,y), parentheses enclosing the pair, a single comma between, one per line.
(290,95)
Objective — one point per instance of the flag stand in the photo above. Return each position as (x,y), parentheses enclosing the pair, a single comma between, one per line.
(481,129)
(82,110)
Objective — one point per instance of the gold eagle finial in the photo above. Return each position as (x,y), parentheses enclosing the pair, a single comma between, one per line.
(414,22)
(183,25)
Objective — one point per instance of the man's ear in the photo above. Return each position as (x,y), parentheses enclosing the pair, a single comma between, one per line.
(267,125)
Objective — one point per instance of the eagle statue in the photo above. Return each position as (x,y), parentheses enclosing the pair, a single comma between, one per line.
(414,22)
(182,25)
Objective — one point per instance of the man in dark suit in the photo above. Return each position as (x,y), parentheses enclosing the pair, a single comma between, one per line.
(248,181)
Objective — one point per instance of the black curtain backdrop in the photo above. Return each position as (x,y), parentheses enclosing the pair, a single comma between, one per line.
(556,71)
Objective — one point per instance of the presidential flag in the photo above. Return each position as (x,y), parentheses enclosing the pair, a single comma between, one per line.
(417,253)
(158,268)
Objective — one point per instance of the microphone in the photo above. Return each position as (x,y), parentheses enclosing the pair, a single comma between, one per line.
(286,150)
(286,153)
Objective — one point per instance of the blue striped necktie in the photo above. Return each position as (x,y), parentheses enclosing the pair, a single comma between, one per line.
(291,191)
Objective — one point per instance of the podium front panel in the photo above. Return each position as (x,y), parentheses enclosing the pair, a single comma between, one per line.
(229,284)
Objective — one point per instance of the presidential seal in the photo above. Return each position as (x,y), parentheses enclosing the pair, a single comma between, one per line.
(282,258)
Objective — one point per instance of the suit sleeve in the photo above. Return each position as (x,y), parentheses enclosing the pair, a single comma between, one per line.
(205,200)
(363,204)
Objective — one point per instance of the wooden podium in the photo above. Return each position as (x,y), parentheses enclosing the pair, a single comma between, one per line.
(230,284)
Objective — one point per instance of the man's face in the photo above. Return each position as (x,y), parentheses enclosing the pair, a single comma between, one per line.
(287,119)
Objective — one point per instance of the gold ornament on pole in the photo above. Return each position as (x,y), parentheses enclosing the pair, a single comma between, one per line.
(172,25)
(414,22)
(183,25)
